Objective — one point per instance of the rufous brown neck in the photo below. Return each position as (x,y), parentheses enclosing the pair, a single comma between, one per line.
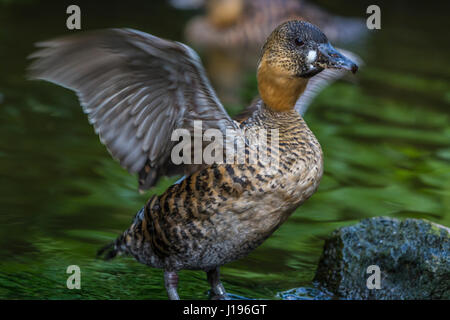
(279,90)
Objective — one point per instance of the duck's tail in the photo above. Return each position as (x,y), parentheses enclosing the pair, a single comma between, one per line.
(111,250)
(118,246)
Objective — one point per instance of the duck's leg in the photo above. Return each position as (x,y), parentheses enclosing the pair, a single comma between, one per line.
(171,284)
(217,289)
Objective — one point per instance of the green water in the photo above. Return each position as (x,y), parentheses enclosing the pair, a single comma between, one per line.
(386,142)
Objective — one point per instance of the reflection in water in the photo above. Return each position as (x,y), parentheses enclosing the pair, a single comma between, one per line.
(386,145)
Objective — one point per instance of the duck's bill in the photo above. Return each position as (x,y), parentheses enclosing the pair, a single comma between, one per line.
(330,58)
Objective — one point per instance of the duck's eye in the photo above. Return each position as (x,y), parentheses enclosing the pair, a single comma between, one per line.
(299,42)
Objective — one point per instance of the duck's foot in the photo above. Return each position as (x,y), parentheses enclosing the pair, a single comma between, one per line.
(171,284)
(217,290)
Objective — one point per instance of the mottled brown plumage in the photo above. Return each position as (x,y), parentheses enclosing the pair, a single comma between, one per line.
(224,211)
(219,212)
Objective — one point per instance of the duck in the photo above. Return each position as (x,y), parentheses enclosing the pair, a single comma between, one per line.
(137,88)
(247,23)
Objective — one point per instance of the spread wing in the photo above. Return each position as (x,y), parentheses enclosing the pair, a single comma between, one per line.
(136,89)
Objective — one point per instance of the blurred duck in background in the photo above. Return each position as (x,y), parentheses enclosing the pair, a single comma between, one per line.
(247,23)
(232,31)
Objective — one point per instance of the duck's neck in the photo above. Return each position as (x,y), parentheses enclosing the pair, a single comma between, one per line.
(279,91)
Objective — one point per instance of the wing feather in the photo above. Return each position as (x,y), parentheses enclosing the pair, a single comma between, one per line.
(136,89)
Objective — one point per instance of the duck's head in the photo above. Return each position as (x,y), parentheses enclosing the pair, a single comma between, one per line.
(224,13)
(293,53)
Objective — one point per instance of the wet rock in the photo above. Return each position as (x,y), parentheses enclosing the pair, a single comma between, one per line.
(305,293)
(413,257)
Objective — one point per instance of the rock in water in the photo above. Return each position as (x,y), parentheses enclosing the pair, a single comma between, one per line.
(413,257)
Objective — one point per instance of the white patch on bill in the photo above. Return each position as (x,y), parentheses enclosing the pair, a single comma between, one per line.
(312,55)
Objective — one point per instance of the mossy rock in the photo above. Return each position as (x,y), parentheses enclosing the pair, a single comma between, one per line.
(413,256)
